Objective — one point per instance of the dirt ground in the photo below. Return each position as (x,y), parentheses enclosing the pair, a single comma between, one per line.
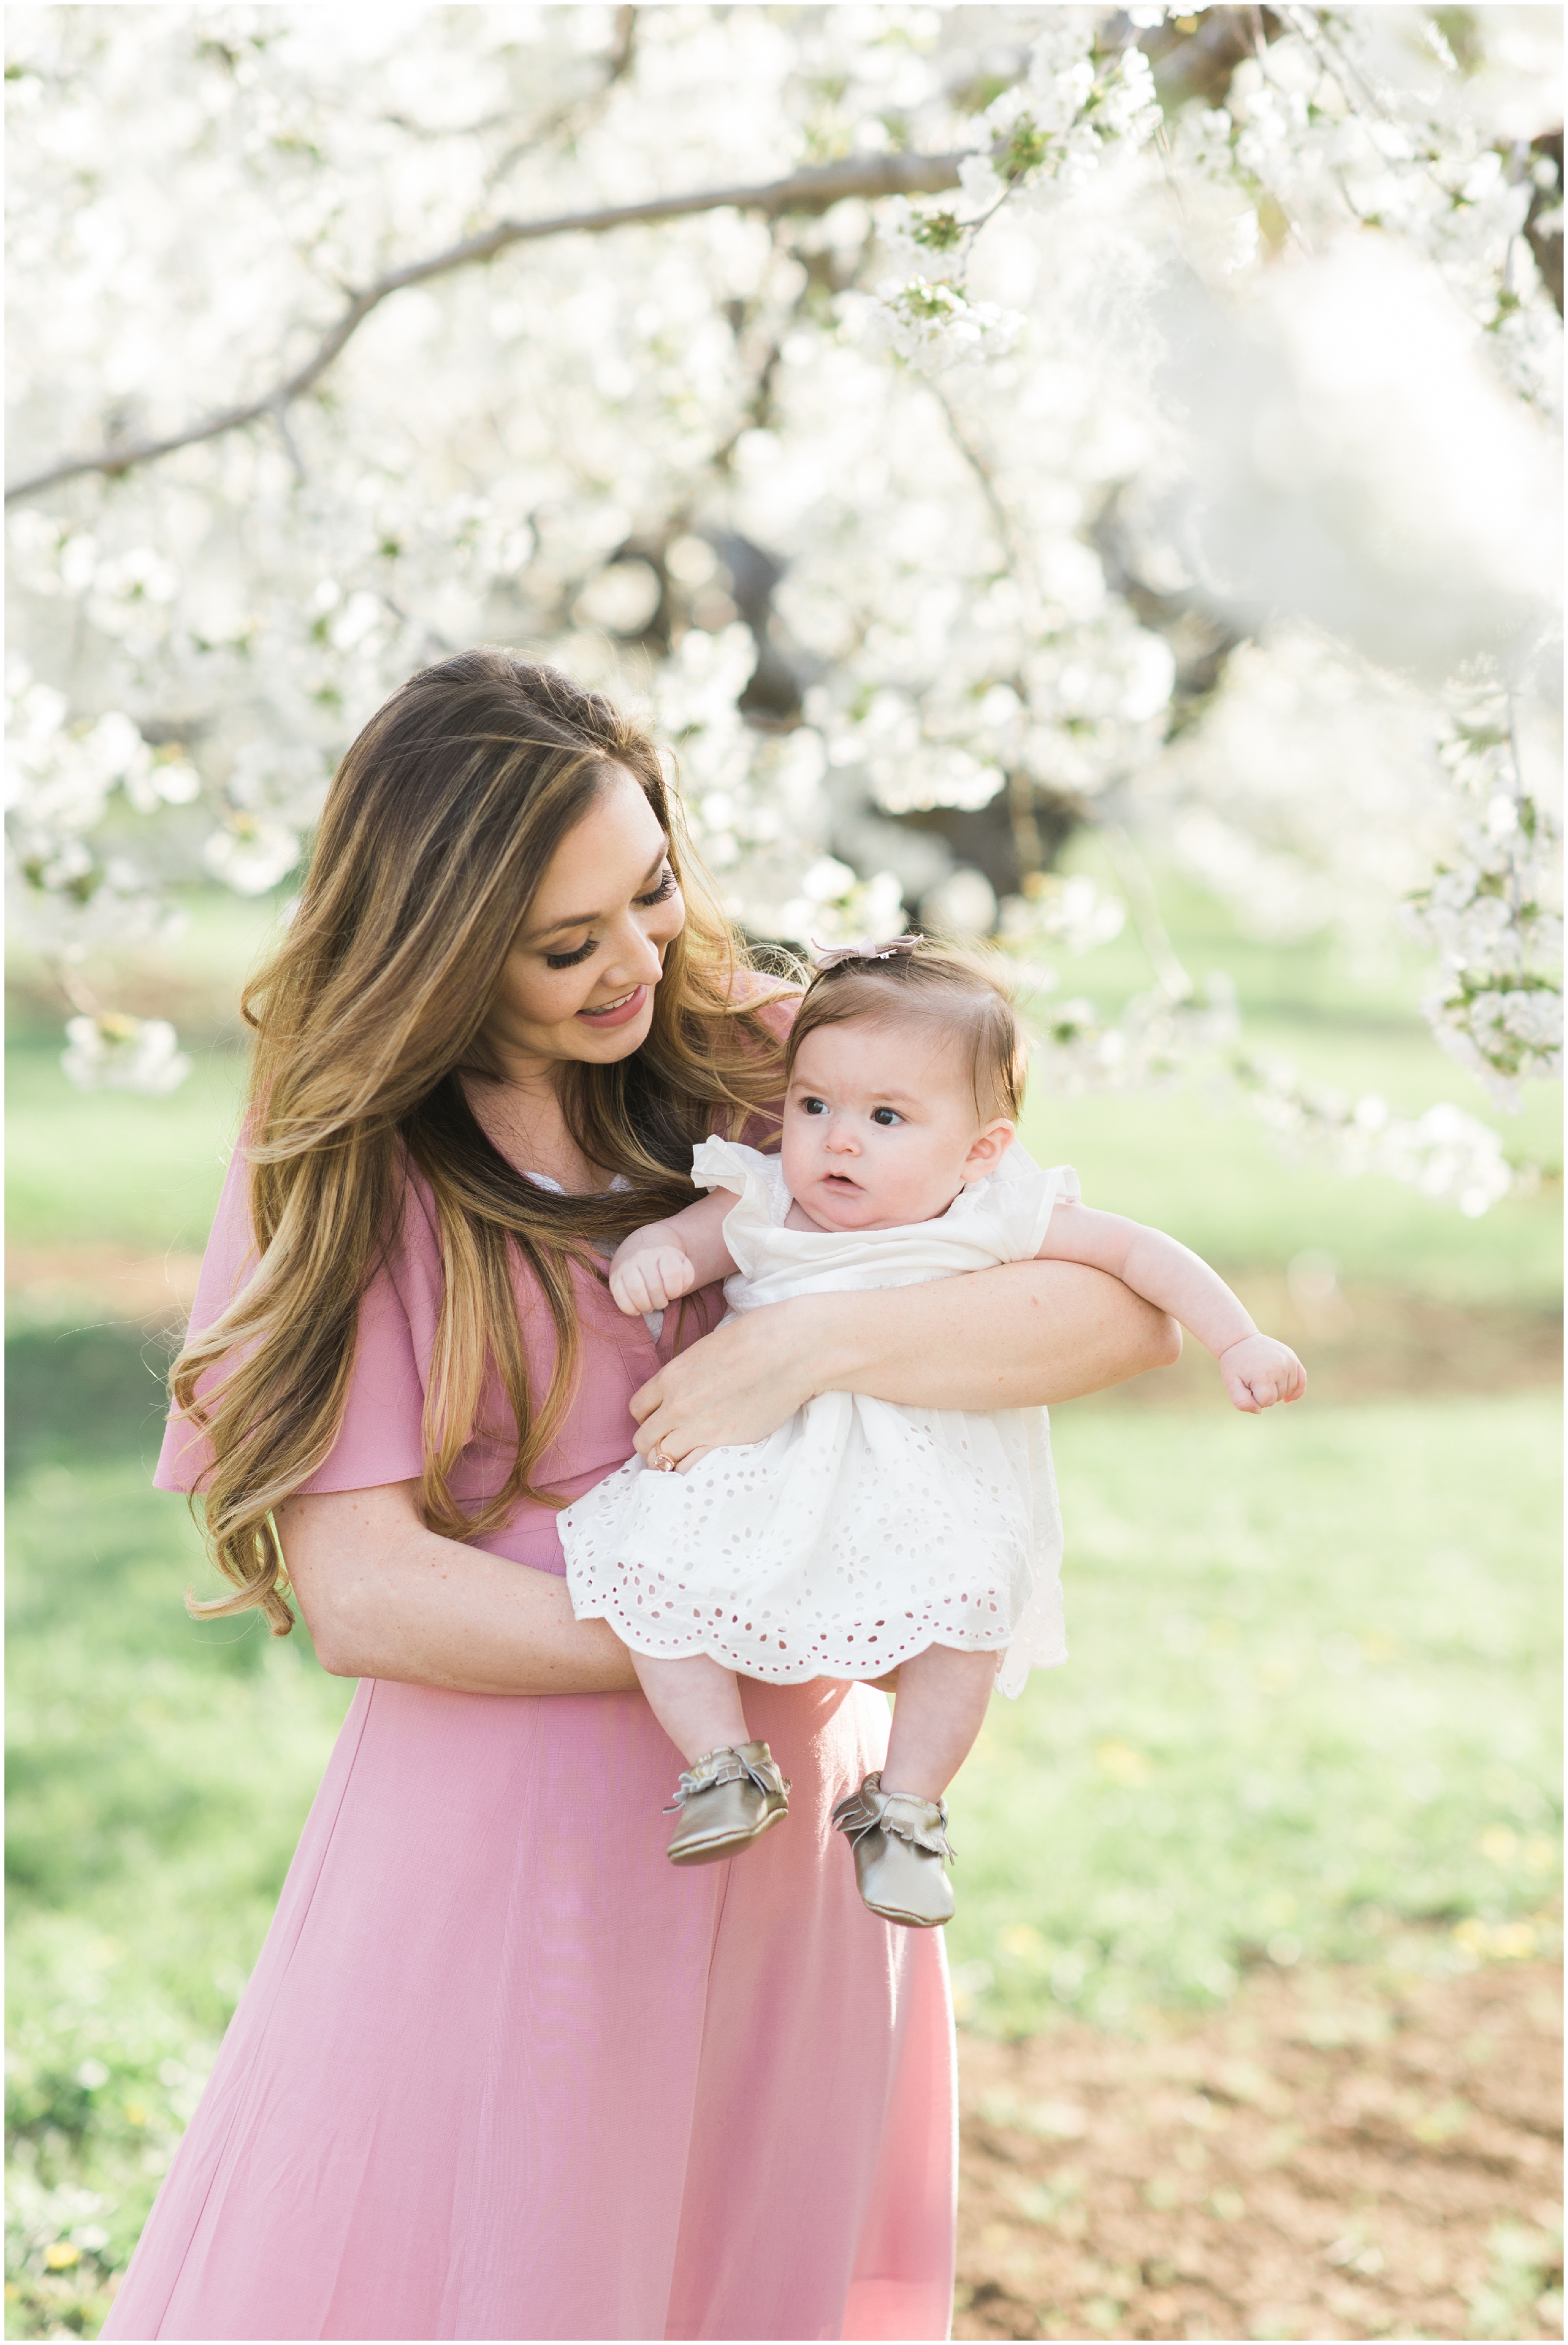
(1338,2153)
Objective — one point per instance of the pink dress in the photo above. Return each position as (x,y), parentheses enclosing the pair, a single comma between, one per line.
(501,2071)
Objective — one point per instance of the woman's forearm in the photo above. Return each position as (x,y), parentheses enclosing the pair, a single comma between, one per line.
(385,1598)
(1024,1337)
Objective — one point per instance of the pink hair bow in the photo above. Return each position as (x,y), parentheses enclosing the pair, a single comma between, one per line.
(828,957)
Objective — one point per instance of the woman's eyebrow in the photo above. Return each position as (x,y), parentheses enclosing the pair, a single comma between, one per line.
(586,919)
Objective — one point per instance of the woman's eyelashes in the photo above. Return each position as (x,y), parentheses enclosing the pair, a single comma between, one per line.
(571,959)
(661,895)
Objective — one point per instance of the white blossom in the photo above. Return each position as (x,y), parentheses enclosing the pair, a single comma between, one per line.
(934,327)
(251,853)
(124,1054)
(959,481)
(1070,914)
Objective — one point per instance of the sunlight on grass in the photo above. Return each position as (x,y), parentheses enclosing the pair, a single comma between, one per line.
(1310,1703)
(158,1772)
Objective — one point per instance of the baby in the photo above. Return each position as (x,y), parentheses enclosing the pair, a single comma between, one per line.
(864,1536)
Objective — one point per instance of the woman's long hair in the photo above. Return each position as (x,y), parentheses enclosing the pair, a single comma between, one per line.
(441,824)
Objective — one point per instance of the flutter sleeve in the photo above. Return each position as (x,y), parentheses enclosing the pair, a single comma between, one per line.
(381,1438)
(756,1179)
(230,1257)
(1020,1198)
(759,1185)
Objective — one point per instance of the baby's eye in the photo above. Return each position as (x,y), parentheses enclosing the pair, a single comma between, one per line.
(810,1106)
(571,959)
(885,1116)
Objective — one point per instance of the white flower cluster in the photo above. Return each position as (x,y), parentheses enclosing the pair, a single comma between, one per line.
(936,327)
(1052,130)
(70,891)
(837,907)
(708,482)
(751,801)
(1362,116)
(1494,913)
(275,794)
(115,1053)
(1047,133)
(1158,1037)
(1070,915)
(1446,1155)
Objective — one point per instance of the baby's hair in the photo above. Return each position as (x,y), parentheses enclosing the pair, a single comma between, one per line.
(960,992)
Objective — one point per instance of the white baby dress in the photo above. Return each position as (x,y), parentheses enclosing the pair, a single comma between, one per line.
(860,1532)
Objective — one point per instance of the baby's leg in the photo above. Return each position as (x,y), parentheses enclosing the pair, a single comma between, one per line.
(938,1712)
(733,1792)
(695,1700)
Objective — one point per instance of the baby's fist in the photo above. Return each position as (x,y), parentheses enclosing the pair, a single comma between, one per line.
(648,1280)
(1258,1372)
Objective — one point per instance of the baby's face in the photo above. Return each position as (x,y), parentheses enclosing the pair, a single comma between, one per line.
(881,1126)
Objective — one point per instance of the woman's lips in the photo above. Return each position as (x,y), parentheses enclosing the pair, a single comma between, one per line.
(618,1013)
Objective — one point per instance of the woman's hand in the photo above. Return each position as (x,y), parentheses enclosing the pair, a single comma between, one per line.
(1025,1335)
(736,1386)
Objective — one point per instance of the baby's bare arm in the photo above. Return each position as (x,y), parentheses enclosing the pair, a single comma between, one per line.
(667,1259)
(1257,1370)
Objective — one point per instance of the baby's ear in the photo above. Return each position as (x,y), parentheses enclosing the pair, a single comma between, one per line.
(988,1148)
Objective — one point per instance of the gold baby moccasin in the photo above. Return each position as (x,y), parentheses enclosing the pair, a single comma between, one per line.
(726,1799)
(899,1843)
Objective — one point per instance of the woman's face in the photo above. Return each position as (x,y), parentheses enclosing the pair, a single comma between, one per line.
(578,980)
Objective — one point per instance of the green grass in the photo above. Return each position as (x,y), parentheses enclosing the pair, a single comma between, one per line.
(106,1168)
(159,1771)
(1310,1709)
(1311,1704)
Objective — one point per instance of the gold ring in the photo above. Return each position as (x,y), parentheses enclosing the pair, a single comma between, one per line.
(663,1465)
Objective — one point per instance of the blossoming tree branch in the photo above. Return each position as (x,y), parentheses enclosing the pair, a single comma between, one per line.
(962,427)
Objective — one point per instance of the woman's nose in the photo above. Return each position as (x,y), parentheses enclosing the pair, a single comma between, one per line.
(640,957)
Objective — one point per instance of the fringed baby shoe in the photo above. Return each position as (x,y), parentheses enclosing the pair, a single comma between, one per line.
(726,1799)
(899,1843)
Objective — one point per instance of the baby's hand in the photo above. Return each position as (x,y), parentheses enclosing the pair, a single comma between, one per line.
(648,1280)
(1258,1372)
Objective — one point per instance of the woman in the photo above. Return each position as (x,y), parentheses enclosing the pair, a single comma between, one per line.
(501,2071)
